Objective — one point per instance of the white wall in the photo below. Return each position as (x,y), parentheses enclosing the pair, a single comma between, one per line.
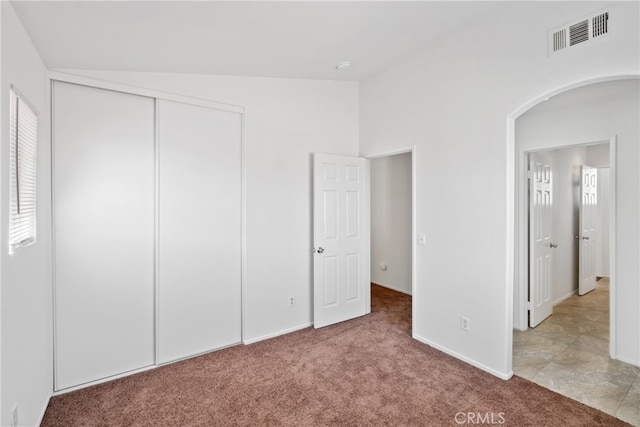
(613,109)
(598,154)
(285,121)
(452,100)
(391,221)
(26,334)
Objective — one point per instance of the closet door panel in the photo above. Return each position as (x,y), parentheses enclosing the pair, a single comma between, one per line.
(199,267)
(104,232)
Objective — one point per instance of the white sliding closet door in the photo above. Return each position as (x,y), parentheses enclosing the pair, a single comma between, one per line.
(104,232)
(199,269)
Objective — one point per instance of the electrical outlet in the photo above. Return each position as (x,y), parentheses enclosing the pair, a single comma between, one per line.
(14,416)
(292,301)
(464,323)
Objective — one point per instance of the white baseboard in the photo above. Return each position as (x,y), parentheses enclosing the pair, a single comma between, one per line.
(44,409)
(277,334)
(501,375)
(629,361)
(562,298)
(393,288)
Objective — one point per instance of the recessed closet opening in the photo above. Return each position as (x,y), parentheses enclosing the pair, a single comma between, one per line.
(147,220)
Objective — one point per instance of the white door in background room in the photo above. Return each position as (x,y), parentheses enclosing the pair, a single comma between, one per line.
(199,242)
(588,229)
(103,205)
(341,285)
(541,245)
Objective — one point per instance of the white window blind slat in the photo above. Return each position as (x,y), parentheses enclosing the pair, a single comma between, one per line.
(23,183)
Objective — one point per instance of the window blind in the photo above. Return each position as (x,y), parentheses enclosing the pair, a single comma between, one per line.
(23,130)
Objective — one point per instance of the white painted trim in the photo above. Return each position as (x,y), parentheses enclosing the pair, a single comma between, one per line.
(414,239)
(613,203)
(156,232)
(103,380)
(391,153)
(202,353)
(138,371)
(54,299)
(367,237)
(501,375)
(279,333)
(515,273)
(510,242)
(629,361)
(243,229)
(564,297)
(44,409)
(393,288)
(1,216)
(141,91)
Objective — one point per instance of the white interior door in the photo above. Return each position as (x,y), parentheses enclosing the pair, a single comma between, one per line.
(540,240)
(341,239)
(103,182)
(199,242)
(588,229)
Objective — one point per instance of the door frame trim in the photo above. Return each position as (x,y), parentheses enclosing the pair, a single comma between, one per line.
(414,289)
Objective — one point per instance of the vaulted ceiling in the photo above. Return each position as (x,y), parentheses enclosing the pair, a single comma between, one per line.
(289,39)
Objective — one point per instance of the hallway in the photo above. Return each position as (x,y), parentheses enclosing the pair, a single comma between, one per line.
(569,353)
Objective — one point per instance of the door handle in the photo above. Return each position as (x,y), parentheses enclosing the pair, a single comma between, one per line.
(320,250)
(585,237)
(553,245)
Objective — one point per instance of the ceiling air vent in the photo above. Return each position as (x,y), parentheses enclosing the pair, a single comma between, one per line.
(560,39)
(600,24)
(579,33)
(595,26)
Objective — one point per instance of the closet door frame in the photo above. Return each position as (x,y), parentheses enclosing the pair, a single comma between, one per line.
(157,95)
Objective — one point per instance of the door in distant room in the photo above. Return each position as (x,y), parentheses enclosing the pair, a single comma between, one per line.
(541,245)
(341,239)
(588,228)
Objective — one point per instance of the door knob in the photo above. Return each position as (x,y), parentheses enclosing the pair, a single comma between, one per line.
(585,237)
(553,245)
(320,250)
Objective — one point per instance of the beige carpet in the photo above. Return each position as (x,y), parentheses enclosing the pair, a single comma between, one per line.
(363,372)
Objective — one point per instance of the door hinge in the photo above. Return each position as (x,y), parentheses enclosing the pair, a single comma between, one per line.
(529,305)
(529,174)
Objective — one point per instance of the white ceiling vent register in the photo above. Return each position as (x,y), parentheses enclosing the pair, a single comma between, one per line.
(591,28)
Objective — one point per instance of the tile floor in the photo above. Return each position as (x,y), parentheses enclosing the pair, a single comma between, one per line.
(569,353)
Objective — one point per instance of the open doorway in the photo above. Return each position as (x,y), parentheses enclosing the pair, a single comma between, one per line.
(568,226)
(576,364)
(391,190)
